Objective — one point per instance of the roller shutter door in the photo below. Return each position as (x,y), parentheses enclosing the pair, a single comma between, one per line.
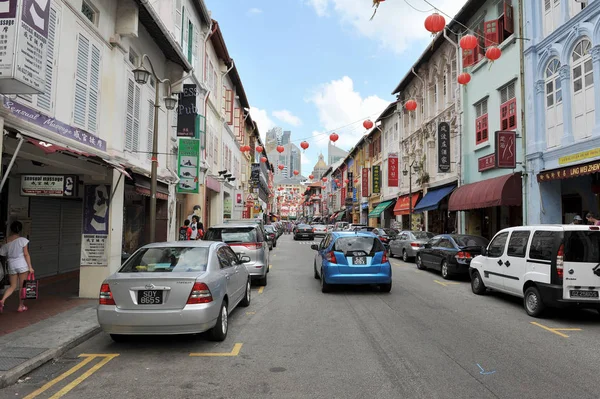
(70,235)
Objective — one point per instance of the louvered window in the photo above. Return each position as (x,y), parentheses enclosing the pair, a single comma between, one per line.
(87,85)
(508,107)
(178,19)
(150,130)
(481,122)
(132,122)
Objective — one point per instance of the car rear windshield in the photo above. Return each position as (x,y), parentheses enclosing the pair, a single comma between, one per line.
(470,241)
(422,235)
(232,235)
(167,259)
(361,245)
(582,246)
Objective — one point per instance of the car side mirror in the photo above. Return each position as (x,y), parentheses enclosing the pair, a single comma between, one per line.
(315,247)
(124,256)
(484,251)
(245,259)
(427,245)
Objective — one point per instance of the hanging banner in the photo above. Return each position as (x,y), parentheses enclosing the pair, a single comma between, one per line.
(94,239)
(393,170)
(506,153)
(365,182)
(343,197)
(443,147)
(376,179)
(187,111)
(350,180)
(187,166)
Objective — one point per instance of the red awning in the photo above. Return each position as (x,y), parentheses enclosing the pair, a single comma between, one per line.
(403,205)
(499,191)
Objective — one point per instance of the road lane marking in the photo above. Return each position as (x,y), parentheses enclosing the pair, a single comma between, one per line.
(270,266)
(261,289)
(556,331)
(89,358)
(483,372)
(250,313)
(445,284)
(234,352)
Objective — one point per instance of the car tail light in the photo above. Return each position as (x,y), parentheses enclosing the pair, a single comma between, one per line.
(464,255)
(249,245)
(560,265)
(384,258)
(594,228)
(106,297)
(331,257)
(314,230)
(415,244)
(200,294)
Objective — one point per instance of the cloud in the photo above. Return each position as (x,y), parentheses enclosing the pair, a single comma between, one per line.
(339,108)
(255,11)
(261,117)
(306,160)
(395,26)
(287,117)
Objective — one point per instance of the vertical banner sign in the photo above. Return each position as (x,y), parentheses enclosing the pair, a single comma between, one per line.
(343,197)
(8,33)
(393,170)
(443,147)
(32,44)
(187,166)
(354,195)
(506,156)
(350,180)
(365,182)
(95,225)
(187,111)
(376,179)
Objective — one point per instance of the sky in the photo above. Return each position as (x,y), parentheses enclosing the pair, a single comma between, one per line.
(320,66)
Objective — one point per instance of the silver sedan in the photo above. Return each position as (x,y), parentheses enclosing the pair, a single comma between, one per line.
(408,243)
(182,287)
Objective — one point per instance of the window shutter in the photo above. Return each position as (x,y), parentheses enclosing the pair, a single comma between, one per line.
(196,46)
(150,131)
(240,125)
(509,20)
(512,114)
(136,118)
(201,123)
(236,120)
(481,129)
(224,100)
(504,116)
(491,33)
(94,90)
(190,47)
(229,107)
(184,30)
(468,58)
(178,19)
(81,81)
(44,101)
(129,118)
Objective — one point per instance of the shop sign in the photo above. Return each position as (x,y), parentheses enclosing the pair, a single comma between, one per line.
(227,207)
(187,111)
(486,163)
(49,185)
(506,157)
(187,166)
(343,197)
(376,179)
(95,225)
(354,195)
(24,39)
(365,182)
(30,115)
(566,173)
(443,147)
(350,180)
(255,173)
(239,200)
(580,156)
(393,170)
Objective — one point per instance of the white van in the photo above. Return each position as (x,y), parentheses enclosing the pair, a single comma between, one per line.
(547,265)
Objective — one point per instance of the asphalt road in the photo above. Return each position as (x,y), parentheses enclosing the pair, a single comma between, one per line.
(426,339)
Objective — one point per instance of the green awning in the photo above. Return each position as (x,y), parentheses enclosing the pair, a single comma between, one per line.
(375,213)
(340,216)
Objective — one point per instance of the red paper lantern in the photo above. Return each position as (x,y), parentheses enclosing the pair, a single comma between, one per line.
(468,42)
(337,181)
(263,159)
(355,181)
(411,105)
(435,23)
(311,177)
(493,53)
(346,181)
(464,78)
(367,124)
(304,145)
(334,137)
(324,179)
(296,173)
(280,149)
(281,166)
(259,148)
(323,187)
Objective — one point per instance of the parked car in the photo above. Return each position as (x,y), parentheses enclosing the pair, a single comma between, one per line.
(303,231)
(320,230)
(353,226)
(257,221)
(547,266)
(245,240)
(340,226)
(271,235)
(450,253)
(352,258)
(181,287)
(279,228)
(408,243)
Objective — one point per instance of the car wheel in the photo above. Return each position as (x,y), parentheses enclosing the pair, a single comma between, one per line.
(445,271)
(533,302)
(386,287)
(324,286)
(404,255)
(315,272)
(119,337)
(263,280)
(477,285)
(419,262)
(246,301)
(219,331)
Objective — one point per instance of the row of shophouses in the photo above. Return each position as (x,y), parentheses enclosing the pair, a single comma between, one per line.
(77,156)
(519,144)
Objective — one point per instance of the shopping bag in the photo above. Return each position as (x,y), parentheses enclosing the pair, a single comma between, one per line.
(30,287)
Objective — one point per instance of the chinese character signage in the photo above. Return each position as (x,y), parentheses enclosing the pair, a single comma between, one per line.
(350,180)
(96,202)
(8,28)
(49,185)
(354,195)
(187,166)
(393,170)
(343,197)
(486,163)
(365,182)
(573,171)
(443,147)
(187,111)
(376,179)
(506,156)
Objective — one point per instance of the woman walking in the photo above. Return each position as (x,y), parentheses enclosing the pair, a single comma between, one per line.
(19,263)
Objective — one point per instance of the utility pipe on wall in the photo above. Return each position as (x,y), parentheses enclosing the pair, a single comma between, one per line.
(525,175)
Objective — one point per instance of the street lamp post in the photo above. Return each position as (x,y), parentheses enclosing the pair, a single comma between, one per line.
(410,205)
(141,75)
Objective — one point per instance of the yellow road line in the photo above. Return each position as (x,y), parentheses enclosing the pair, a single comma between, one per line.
(234,352)
(556,331)
(270,266)
(82,377)
(66,374)
(261,289)
(445,284)
(250,313)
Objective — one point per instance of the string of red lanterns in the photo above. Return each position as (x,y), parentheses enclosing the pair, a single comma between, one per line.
(259,149)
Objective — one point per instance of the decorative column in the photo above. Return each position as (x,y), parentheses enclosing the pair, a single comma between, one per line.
(565,83)
(596,64)
(539,142)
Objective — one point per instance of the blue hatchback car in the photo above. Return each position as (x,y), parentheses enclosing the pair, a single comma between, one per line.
(352,258)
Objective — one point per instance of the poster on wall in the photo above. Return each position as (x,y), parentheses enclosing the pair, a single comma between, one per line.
(365,182)
(188,166)
(96,201)
(393,170)
(376,179)
(443,147)
(187,111)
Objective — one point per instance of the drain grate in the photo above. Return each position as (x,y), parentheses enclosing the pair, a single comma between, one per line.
(13,356)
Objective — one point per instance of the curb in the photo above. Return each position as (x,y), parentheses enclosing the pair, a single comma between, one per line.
(13,375)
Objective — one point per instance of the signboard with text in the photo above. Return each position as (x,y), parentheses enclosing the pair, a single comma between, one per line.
(95,229)
(49,185)
(573,171)
(486,163)
(376,179)
(393,170)
(187,111)
(188,166)
(350,180)
(506,149)
(365,182)
(443,147)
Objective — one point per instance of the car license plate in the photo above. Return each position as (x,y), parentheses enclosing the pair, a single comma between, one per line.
(150,297)
(584,294)
(359,260)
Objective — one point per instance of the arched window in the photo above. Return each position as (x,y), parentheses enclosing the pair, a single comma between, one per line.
(582,75)
(554,106)
(551,15)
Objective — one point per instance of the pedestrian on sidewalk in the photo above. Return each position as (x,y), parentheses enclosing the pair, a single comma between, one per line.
(592,219)
(185,231)
(577,220)
(19,263)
